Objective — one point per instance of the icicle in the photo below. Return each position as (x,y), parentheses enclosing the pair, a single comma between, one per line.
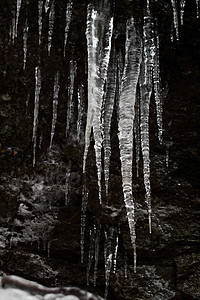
(167,158)
(91,254)
(51,24)
(27,102)
(55,105)
(70,107)
(81,107)
(17,16)
(85,193)
(46,6)
(137,132)
(175,18)
(13,28)
(98,60)
(107,115)
(67,184)
(125,265)
(182,6)
(25,36)
(115,256)
(156,84)
(41,140)
(40,6)
(126,117)
(36,109)
(197,4)
(67,22)
(96,252)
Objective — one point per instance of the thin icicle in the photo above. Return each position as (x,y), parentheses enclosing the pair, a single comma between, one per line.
(67,22)
(125,265)
(107,115)
(182,7)
(36,109)
(91,254)
(67,184)
(145,92)
(48,248)
(98,60)
(175,18)
(137,132)
(27,102)
(40,6)
(126,117)
(156,84)
(96,252)
(55,105)
(115,256)
(81,109)
(197,4)
(13,26)
(85,194)
(70,107)
(51,25)
(17,16)
(25,36)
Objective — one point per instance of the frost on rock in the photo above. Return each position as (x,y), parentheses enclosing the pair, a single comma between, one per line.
(55,105)
(36,109)
(67,22)
(127,98)
(98,34)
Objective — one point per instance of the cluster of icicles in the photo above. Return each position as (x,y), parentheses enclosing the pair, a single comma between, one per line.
(127,82)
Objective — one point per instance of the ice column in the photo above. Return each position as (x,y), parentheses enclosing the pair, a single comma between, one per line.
(109,99)
(36,109)
(175,17)
(98,34)
(25,36)
(67,22)
(40,6)
(51,24)
(55,105)
(126,117)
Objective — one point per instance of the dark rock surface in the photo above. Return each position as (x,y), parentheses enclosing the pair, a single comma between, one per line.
(39,234)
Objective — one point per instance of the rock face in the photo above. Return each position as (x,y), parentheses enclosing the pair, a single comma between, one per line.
(39,233)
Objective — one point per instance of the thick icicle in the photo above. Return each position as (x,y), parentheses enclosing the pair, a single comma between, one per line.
(175,18)
(107,115)
(145,92)
(36,109)
(40,6)
(67,184)
(85,193)
(156,85)
(19,2)
(197,4)
(126,117)
(70,107)
(99,32)
(96,251)
(25,36)
(51,25)
(55,105)
(67,22)
(81,110)
(182,6)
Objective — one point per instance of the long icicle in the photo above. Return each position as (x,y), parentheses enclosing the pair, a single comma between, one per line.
(146,91)
(126,117)
(25,36)
(40,6)
(98,60)
(51,25)
(175,18)
(55,105)
(36,109)
(19,2)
